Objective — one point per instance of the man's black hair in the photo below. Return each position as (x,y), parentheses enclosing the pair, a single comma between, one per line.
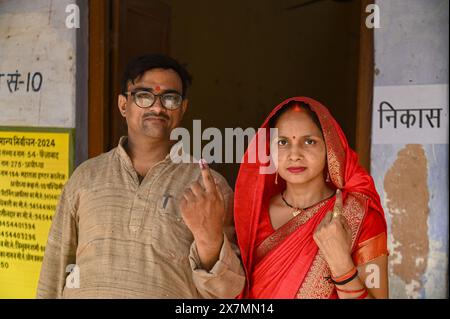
(138,66)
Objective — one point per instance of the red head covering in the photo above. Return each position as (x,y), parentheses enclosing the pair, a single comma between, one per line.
(345,173)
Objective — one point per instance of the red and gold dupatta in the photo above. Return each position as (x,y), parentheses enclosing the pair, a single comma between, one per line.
(288,264)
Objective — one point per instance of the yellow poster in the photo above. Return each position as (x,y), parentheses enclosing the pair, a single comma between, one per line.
(34,165)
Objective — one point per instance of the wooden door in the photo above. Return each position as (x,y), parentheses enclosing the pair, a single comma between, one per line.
(139,27)
(119,30)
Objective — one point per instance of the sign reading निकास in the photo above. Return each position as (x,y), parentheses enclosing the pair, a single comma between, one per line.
(410,114)
(35,163)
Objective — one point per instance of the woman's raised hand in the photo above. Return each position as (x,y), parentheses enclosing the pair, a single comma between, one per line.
(334,238)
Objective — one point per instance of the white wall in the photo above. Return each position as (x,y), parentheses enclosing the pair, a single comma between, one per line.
(34,38)
(411,48)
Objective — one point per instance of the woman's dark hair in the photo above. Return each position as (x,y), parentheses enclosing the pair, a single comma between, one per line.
(273,121)
(138,66)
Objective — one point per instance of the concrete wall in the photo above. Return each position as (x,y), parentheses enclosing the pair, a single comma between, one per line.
(411,48)
(43,84)
(34,39)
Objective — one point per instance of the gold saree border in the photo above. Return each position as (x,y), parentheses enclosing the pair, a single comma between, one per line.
(335,150)
(275,239)
(370,249)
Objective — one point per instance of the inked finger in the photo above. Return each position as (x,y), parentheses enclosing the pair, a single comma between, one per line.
(208,179)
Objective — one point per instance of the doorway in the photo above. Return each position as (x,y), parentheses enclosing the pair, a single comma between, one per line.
(245,58)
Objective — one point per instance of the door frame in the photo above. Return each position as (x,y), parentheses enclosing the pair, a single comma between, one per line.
(99,80)
(364,95)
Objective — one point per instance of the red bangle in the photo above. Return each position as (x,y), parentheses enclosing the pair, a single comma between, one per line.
(350,291)
(345,276)
(363,295)
(342,280)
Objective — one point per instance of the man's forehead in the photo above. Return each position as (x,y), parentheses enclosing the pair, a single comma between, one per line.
(158,80)
(160,75)
(154,87)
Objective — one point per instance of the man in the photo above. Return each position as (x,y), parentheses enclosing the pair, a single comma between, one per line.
(131,223)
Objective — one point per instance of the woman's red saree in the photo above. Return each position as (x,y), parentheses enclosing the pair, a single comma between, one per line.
(287,263)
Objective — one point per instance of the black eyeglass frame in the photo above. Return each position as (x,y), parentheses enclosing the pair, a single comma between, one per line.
(156,96)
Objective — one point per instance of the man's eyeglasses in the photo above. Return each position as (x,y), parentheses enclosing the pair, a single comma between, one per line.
(146,99)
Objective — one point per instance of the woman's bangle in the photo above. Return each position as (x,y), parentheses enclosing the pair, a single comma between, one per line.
(351,291)
(345,276)
(363,295)
(344,279)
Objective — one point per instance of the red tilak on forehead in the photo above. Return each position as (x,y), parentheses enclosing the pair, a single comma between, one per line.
(157,88)
(297,108)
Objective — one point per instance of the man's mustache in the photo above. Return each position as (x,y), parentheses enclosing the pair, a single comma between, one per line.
(153,114)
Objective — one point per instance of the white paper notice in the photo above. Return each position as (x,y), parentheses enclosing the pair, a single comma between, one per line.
(412,114)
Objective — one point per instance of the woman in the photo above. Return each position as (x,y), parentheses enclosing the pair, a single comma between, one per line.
(315,228)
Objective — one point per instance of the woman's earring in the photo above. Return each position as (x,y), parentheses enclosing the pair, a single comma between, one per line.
(328,179)
(276,178)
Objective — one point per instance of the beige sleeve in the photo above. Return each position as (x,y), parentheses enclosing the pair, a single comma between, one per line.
(60,250)
(227,278)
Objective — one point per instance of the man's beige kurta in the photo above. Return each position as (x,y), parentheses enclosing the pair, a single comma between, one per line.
(128,239)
